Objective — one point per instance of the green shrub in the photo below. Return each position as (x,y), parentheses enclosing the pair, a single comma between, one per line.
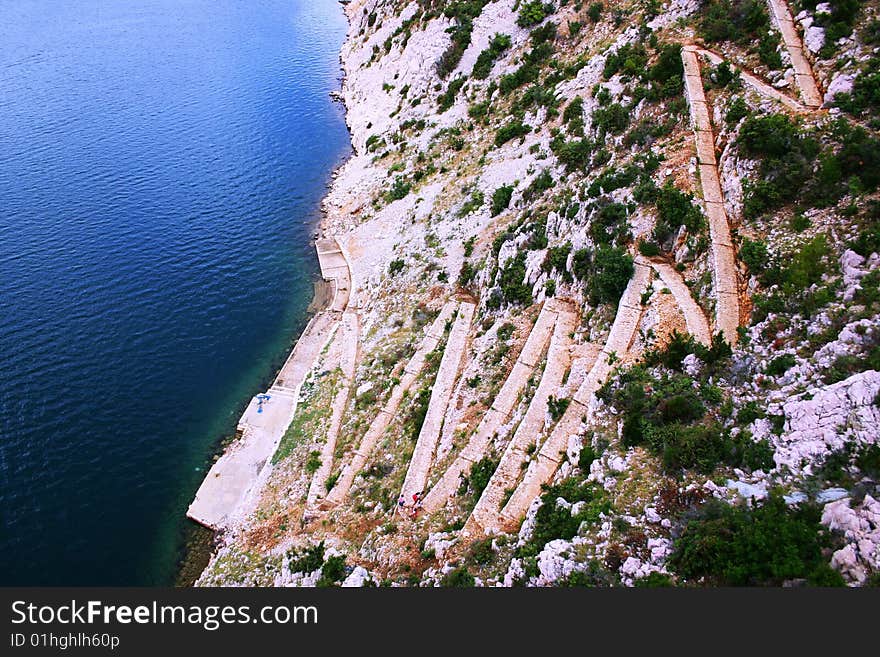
(763,545)
(557,407)
(511,278)
(648,249)
(613,118)
(574,154)
(613,268)
(333,571)
(501,199)
(458,578)
(754,253)
(553,521)
(629,59)
(838,23)
(532,13)
(505,331)
(399,189)
(306,560)
(313,461)
(582,263)
(595,11)
(865,95)
(447,98)
(511,131)
(396,266)
(738,110)
(481,552)
(734,20)
(467,273)
(463,12)
(573,116)
(667,74)
(586,458)
(497,47)
(675,209)
(780,365)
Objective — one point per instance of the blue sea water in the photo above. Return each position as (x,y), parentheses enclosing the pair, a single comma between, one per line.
(161,168)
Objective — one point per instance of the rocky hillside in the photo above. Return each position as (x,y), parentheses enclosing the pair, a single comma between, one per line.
(613,320)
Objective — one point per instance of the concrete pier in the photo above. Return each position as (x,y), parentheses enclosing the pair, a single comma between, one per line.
(262,425)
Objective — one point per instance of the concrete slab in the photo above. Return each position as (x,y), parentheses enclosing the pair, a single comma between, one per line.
(441,392)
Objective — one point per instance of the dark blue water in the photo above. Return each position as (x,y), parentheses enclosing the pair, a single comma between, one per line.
(161,167)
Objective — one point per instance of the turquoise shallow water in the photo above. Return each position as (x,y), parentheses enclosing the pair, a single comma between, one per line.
(161,168)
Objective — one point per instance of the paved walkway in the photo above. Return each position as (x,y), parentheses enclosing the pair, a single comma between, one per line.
(756,83)
(348,334)
(551,454)
(232,477)
(411,372)
(485,516)
(441,392)
(694,318)
(723,253)
(803,72)
(501,408)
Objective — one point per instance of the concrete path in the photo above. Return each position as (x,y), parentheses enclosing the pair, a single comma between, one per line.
(411,372)
(335,267)
(233,476)
(756,83)
(695,319)
(348,334)
(803,72)
(551,454)
(501,408)
(441,392)
(723,252)
(484,517)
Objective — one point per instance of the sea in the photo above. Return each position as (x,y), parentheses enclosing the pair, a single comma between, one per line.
(162,164)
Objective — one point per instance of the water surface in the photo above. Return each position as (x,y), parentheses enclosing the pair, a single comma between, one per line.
(161,167)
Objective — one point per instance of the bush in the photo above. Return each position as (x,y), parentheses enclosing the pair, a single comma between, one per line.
(595,11)
(557,407)
(629,59)
(553,521)
(573,116)
(734,20)
(648,249)
(614,118)
(467,274)
(511,131)
(463,14)
(675,209)
(306,560)
(759,546)
(333,571)
(865,95)
(532,13)
(613,268)
(313,462)
(458,578)
(738,110)
(667,74)
(513,289)
(480,474)
(447,98)
(399,189)
(780,365)
(755,255)
(501,199)
(497,47)
(786,161)
(396,266)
